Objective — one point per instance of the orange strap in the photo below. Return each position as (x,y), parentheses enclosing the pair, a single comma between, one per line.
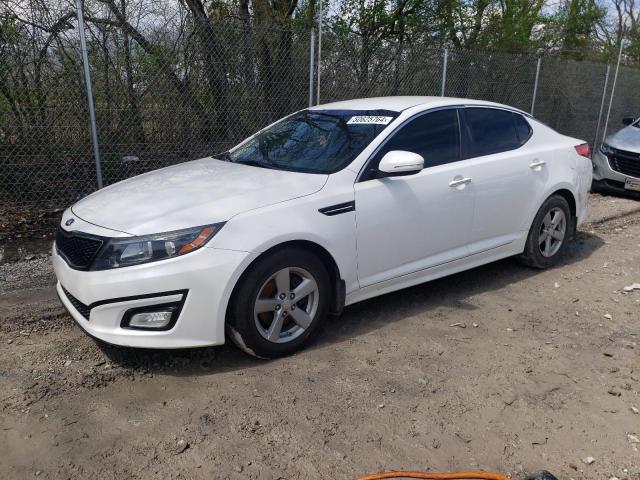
(437,476)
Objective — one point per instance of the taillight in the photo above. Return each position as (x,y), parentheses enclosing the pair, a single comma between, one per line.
(583,150)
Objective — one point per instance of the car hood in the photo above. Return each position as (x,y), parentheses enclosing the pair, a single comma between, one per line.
(626,139)
(191,194)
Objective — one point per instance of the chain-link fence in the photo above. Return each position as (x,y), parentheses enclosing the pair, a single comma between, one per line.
(178,90)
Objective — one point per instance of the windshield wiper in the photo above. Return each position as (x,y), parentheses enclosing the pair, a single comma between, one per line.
(254,163)
(224,156)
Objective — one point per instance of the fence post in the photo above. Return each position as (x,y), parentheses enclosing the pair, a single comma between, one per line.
(604,96)
(445,60)
(535,86)
(613,89)
(319,50)
(87,83)
(311,64)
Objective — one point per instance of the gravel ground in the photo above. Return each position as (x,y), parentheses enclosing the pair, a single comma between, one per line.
(500,368)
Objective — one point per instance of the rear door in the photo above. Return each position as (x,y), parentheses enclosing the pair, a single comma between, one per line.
(506,172)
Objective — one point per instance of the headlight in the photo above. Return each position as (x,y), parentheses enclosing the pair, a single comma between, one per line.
(606,149)
(123,252)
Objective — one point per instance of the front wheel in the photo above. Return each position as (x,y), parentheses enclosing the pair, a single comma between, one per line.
(549,234)
(279,303)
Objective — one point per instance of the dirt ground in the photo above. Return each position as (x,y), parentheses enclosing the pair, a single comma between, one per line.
(545,373)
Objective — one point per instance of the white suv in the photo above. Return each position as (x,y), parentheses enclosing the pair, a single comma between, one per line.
(324,208)
(616,166)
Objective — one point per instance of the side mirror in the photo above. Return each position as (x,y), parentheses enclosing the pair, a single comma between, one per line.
(628,120)
(400,162)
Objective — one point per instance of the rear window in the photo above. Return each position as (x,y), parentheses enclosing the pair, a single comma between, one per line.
(490,130)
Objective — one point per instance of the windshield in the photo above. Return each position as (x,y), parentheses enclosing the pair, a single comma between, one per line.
(313,141)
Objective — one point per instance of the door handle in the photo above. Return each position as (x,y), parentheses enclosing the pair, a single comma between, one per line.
(457,183)
(537,163)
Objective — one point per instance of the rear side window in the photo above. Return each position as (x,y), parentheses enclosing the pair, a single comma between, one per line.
(490,130)
(435,136)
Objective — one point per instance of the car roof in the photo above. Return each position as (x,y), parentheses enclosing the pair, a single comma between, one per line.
(401,103)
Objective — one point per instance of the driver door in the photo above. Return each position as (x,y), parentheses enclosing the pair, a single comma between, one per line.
(412,222)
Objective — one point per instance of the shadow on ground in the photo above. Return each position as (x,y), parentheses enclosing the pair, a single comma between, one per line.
(357,319)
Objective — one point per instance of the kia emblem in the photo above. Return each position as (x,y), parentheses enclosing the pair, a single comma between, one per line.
(69,222)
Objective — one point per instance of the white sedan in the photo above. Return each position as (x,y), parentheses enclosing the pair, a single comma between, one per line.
(327,207)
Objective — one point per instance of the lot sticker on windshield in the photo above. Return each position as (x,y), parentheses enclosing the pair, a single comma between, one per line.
(369,120)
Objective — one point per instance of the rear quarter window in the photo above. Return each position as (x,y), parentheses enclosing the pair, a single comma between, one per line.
(523,129)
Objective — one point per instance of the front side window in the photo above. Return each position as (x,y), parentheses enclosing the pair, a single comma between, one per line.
(490,130)
(313,141)
(435,136)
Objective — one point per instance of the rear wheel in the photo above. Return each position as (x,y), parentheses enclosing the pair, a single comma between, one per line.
(549,234)
(279,303)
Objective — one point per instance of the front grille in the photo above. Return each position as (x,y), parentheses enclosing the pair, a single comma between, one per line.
(84,310)
(77,249)
(627,163)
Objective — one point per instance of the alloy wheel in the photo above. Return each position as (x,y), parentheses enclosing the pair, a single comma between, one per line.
(552,232)
(286,305)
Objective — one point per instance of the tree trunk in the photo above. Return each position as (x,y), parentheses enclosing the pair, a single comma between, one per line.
(216,75)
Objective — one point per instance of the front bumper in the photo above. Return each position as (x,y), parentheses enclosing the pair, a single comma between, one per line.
(602,169)
(201,282)
(607,179)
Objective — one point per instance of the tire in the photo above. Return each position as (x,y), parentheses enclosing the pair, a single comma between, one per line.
(257,304)
(542,249)
(597,186)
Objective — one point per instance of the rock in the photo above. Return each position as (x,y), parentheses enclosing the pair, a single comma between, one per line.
(614,392)
(539,441)
(475,325)
(459,324)
(67,363)
(632,287)
(635,410)
(509,397)
(633,438)
(541,475)
(607,316)
(9,341)
(424,381)
(379,350)
(556,285)
(181,446)
(381,405)
(589,460)
(607,354)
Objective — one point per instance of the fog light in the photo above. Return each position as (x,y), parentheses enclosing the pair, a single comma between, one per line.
(157,319)
(161,316)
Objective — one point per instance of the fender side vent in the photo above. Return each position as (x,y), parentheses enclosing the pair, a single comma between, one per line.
(338,209)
